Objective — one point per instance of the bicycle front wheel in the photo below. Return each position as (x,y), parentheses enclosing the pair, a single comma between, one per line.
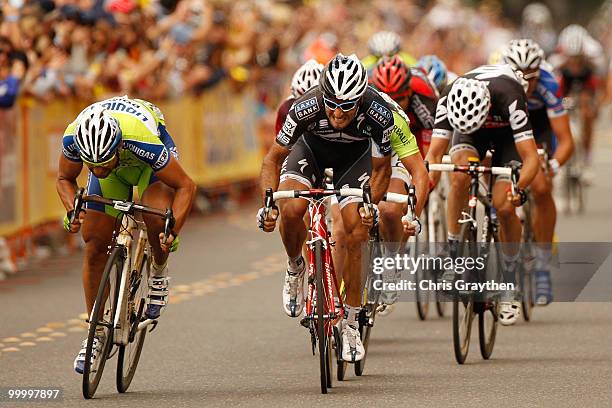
(324,343)
(129,354)
(101,322)
(463,304)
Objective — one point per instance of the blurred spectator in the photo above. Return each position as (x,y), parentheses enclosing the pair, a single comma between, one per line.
(158,49)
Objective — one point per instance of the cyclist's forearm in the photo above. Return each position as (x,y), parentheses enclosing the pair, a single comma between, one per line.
(270,175)
(530,168)
(380,182)
(420,178)
(271,168)
(565,147)
(183,200)
(66,190)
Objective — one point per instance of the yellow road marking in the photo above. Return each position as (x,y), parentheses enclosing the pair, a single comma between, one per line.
(44,330)
(269,265)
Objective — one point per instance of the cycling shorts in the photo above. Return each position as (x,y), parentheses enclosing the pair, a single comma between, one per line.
(311,155)
(500,140)
(119,185)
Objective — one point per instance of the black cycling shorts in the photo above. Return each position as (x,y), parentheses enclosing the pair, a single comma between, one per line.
(542,131)
(311,155)
(500,141)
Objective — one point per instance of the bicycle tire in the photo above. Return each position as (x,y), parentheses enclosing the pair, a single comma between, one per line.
(463,308)
(488,311)
(321,334)
(114,263)
(340,363)
(370,299)
(124,378)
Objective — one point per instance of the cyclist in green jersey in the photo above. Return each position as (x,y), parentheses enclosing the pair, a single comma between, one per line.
(124,143)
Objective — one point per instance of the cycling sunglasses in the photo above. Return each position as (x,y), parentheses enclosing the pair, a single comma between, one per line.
(101,164)
(533,75)
(344,106)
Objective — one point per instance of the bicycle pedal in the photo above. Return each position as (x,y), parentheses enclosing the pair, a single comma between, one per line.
(304,321)
(153,325)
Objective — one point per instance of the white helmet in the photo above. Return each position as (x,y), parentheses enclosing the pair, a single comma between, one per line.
(306,77)
(572,39)
(97,135)
(523,54)
(468,104)
(344,78)
(384,43)
(536,14)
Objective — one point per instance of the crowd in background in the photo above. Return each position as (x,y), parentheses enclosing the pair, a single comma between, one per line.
(156,49)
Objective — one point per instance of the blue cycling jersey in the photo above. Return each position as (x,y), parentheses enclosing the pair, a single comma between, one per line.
(547,93)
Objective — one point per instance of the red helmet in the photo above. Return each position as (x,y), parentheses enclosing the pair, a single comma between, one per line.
(392,76)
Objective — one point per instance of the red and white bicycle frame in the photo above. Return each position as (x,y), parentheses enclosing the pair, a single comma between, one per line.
(318,232)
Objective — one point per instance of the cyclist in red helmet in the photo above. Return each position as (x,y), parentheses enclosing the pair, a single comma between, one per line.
(416,95)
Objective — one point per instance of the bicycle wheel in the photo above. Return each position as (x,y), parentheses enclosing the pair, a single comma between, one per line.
(527,288)
(340,363)
(421,274)
(324,357)
(487,327)
(439,236)
(129,355)
(371,297)
(488,309)
(463,305)
(101,319)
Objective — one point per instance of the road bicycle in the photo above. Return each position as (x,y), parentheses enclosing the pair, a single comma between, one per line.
(371,299)
(573,187)
(467,303)
(321,312)
(429,242)
(118,311)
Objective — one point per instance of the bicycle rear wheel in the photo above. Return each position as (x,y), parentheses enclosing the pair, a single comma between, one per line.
(129,355)
(488,309)
(101,320)
(324,343)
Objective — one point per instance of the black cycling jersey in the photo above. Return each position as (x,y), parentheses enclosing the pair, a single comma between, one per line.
(374,121)
(508,104)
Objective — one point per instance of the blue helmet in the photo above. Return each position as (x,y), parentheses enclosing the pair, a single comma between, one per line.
(435,70)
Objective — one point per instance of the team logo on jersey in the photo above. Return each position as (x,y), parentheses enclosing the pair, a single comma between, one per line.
(379,113)
(518,117)
(441,111)
(140,151)
(306,108)
(289,126)
(311,126)
(323,123)
(163,158)
(386,136)
(422,112)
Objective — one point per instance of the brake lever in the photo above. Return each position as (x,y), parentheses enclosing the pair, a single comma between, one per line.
(367,199)
(168,225)
(78,203)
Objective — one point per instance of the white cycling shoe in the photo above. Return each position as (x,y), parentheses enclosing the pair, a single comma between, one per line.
(158,296)
(509,312)
(352,347)
(79,361)
(293,292)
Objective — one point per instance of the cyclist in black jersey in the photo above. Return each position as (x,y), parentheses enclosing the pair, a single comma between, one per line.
(345,125)
(487,108)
